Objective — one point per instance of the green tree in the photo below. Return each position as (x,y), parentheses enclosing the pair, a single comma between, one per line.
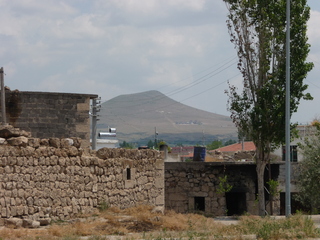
(214,145)
(126,145)
(150,144)
(230,142)
(258,30)
(179,144)
(308,182)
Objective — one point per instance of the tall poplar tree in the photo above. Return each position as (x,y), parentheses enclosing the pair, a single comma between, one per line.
(258,30)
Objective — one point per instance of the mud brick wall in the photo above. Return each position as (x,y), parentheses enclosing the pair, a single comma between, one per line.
(189,184)
(56,178)
(48,115)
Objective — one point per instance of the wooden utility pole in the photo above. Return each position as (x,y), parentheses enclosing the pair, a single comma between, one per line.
(3,98)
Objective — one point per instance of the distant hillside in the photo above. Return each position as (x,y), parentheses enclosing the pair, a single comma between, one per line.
(136,115)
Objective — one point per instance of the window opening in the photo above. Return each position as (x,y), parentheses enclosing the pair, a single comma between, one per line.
(128,174)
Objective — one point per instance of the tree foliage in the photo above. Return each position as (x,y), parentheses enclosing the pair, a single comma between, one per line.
(258,30)
(214,145)
(230,142)
(150,144)
(309,172)
(126,145)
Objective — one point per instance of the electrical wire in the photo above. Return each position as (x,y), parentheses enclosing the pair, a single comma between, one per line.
(188,86)
(176,102)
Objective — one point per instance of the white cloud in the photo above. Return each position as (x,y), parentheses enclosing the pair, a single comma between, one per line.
(313,27)
(53,83)
(118,47)
(158,7)
(188,4)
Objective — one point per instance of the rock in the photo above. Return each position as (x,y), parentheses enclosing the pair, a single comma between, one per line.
(73,151)
(44,221)
(158,209)
(29,223)
(76,142)
(25,134)
(14,222)
(9,131)
(54,142)
(34,142)
(18,141)
(2,141)
(103,153)
(44,142)
(66,142)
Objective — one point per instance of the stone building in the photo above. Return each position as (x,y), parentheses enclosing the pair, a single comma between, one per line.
(48,114)
(193,186)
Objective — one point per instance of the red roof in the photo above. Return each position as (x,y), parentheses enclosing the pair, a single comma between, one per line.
(190,155)
(248,146)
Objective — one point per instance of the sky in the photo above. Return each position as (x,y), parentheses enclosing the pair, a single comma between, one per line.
(113,47)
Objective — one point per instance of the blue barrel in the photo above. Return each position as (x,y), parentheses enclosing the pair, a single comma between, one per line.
(199,154)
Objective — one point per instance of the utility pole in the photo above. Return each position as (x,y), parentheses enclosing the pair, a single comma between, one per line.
(95,109)
(287,124)
(3,99)
(203,139)
(155,137)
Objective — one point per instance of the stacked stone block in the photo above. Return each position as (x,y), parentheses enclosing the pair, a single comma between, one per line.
(56,178)
(48,115)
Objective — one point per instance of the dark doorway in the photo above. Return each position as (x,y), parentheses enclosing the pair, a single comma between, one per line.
(199,204)
(236,203)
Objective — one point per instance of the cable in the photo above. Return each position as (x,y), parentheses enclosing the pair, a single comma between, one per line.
(194,83)
(232,58)
(199,80)
(152,110)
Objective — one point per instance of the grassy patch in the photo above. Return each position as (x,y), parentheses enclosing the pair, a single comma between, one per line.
(295,227)
(140,223)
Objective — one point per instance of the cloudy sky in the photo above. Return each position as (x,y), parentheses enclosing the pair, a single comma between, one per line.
(113,47)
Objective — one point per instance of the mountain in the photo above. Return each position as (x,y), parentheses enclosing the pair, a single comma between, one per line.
(137,115)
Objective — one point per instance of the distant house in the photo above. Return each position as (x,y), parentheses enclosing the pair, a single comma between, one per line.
(108,143)
(182,150)
(245,146)
(186,157)
(303,131)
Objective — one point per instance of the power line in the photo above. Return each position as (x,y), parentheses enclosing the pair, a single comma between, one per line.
(152,110)
(194,83)
(200,79)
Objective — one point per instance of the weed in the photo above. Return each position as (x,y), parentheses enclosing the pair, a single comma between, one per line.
(224,186)
(141,223)
(103,206)
(297,226)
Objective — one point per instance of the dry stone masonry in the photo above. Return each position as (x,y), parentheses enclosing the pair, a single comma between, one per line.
(57,179)
(194,186)
(47,114)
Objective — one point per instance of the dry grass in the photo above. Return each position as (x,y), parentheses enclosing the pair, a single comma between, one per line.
(140,223)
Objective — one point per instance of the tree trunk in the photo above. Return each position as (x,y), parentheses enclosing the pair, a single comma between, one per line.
(261,165)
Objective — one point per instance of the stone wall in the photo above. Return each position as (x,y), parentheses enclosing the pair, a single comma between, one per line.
(294,174)
(50,114)
(56,178)
(189,184)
